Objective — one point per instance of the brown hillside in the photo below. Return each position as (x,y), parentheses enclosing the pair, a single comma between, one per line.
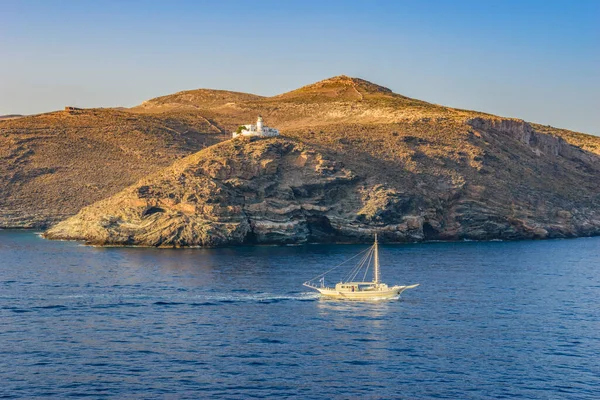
(346,168)
(349,186)
(337,88)
(11,116)
(199,99)
(53,164)
(447,160)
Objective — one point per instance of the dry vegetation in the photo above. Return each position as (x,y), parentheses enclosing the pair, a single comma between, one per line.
(53,164)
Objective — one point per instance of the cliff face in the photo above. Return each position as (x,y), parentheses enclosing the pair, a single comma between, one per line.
(283,191)
(540,143)
(263,191)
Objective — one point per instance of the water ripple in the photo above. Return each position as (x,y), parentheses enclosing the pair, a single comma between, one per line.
(490,320)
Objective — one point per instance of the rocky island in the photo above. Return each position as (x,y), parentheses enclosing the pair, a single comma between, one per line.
(352,158)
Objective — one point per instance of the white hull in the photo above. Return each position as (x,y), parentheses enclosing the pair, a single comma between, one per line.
(382,293)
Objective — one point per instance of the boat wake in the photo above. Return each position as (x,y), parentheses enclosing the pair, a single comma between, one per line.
(214,299)
(184,299)
(258,297)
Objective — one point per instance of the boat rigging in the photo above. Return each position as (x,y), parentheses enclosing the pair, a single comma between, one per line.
(351,289)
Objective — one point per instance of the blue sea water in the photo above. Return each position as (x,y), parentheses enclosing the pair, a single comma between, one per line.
(490,320)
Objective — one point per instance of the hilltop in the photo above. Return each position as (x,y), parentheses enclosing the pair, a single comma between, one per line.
(199,99)
(337,88)
(11,116)
(336,101)
(410,169)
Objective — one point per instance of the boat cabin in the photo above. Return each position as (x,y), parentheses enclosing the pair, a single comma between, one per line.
(357,286)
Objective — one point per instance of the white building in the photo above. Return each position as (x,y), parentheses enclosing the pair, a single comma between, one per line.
(256,130)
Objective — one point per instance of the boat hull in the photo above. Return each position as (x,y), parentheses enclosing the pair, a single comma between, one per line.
(376,294)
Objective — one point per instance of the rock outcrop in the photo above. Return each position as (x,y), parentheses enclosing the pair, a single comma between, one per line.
(283,191)
(523,132)
(242,191)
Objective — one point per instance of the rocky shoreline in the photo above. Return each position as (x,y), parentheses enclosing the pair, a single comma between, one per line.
(279,191)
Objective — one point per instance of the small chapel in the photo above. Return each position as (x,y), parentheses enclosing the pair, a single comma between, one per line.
(256,130)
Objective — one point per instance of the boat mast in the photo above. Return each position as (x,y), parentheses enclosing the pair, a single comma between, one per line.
(376,268)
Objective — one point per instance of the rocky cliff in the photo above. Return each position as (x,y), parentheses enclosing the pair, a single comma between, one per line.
(283,190)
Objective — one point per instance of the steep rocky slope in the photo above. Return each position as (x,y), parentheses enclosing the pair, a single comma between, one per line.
(53,164)
(234,192)
(423,179)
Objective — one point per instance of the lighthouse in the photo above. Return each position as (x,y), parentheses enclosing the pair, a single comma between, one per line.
(259,125)
(259,130)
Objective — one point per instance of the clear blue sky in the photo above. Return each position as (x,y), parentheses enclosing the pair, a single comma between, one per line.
(537,60)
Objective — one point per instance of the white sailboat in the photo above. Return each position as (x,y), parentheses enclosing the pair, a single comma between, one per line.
(359,290)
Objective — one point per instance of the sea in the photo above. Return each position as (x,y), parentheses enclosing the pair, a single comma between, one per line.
(489,320)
